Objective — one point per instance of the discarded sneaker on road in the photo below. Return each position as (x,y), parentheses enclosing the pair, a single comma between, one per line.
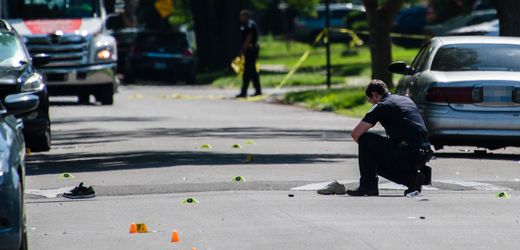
(333,188)
(80,192)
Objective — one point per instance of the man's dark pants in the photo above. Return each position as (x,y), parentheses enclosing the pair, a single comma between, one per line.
(378,155)
(250,72)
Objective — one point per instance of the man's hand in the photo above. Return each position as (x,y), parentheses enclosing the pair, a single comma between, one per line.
(360,129)
(247,43)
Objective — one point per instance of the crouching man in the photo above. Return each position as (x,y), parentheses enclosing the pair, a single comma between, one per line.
(400,157)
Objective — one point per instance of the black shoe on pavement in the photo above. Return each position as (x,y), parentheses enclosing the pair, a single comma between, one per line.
(80,192)
(241,96)
(256,94)
(427,172)
(363,191)
(333,188)
(416,183)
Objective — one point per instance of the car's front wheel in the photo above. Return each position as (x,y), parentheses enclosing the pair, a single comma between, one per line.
(105,94)
(41,142)
(23,224)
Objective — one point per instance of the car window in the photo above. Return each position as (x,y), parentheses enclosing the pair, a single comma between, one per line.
(168,42)
(483,57)
(11,51)
(420,60)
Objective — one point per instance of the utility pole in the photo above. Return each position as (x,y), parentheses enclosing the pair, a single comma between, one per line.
(327,40)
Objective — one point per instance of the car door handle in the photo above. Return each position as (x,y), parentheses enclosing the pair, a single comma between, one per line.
(19,124)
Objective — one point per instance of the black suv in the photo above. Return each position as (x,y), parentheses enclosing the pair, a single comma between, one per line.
(17,75)
(160,53)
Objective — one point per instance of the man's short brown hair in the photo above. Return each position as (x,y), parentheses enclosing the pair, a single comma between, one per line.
(377,86)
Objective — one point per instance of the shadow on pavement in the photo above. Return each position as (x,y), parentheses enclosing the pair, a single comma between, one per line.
(90,162)
(104,119)
(96,136)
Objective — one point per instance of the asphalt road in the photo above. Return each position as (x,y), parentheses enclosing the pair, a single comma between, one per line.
(144,157)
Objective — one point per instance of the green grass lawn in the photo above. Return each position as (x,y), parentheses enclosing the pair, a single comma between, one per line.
(349,101)
(347,63)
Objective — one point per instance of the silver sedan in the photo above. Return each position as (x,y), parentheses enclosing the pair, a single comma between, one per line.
(467,89)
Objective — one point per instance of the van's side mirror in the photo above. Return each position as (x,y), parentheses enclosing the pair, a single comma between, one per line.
(40,59)
(20,103)
(398,67)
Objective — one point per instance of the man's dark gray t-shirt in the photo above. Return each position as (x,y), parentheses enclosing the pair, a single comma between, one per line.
(401,119)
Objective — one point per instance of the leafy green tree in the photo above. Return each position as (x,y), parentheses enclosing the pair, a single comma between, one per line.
(216,24)
(380,15)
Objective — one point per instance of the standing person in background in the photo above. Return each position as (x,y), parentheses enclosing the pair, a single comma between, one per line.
(249,49)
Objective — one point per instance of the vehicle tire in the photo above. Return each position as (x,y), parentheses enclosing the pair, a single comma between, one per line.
(129,77)
(105,94)
(190,79)
(23,229)
(41,142)
(83,98)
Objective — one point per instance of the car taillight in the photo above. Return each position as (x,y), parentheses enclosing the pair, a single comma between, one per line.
(516,95)
(454,95)
(187,52)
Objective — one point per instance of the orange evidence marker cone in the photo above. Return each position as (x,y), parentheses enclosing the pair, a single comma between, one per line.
(193,248)
(175,237)
(133,228)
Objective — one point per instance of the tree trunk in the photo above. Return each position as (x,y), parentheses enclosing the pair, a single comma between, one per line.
(507,11)
(217,29)
(380,19)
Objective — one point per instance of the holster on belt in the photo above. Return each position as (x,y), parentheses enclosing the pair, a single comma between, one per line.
(422,156)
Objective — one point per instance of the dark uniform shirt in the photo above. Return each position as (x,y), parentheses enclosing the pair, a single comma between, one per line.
(249,28)
(401,119)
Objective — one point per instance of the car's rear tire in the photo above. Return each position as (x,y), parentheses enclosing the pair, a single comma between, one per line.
(40,143)
(105,94)
(190,79)
(129,77)
(84,98)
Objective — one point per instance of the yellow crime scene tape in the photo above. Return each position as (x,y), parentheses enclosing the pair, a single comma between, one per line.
(400,35)
(293,69)
(237,64)
(356,41)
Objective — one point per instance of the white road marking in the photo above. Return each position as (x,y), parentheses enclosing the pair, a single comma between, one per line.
(49,193)
(393,186)
(476,185)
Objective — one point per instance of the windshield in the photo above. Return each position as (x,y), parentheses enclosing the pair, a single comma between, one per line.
(165,42)
(483,57)
(53,9)
(11,51)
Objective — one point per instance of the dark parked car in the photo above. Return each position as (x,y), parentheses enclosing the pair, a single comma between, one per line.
(467,89)
(476,17)
(18,74)
(13,232)
(159,53)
